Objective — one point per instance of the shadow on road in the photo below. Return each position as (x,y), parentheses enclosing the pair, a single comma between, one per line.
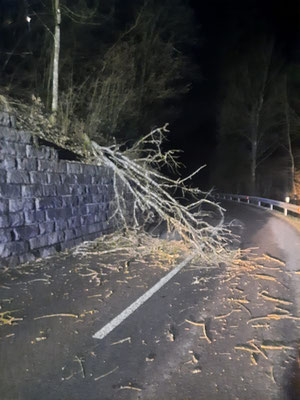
(293,380)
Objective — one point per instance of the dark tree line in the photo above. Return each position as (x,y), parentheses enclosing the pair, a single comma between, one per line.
(259,122)
(121,65)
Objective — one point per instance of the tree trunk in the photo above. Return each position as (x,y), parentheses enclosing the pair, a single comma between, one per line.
(254,141)
(253,167)
(289,142)
(55,71)
(256,117)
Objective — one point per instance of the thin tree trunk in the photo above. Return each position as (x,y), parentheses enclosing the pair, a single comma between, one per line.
(253,166)
(254,141)
(255,120)
(289,142)
(55,75)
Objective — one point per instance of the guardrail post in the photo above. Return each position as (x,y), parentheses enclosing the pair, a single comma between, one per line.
(285,212)
(259,203)
(271,206)
(239,199)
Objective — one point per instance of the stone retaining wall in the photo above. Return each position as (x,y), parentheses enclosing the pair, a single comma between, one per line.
(47,204)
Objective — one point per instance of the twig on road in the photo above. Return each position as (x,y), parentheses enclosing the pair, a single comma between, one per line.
(80,361)
(56,315)
(227,315)
(260,351)
(245,308)
(246,347)
(128,339)
(7,319)
(272,374)
(130,388)
(276,317)
(276,347)
(240,301)
(271,258)
(104,375)
(202,325)
(266,296)
(267,277)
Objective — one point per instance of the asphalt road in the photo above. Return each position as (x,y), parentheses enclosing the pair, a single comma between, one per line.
(211,332)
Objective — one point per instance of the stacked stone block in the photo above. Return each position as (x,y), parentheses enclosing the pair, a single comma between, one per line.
(47,204)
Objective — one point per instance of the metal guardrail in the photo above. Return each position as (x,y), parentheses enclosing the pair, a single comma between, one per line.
(261,202)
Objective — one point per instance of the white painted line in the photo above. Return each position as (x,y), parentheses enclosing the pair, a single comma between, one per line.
(140,301)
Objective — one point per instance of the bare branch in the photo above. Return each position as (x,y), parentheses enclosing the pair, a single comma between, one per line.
(149,191)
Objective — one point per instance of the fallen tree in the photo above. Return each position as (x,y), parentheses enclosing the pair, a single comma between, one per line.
(187,211)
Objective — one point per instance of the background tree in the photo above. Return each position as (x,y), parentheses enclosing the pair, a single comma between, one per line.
(56,50)
(126,63)
(143,72)
(291,140)
(251,111)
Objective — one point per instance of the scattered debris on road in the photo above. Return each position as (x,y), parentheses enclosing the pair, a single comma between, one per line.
(128,339)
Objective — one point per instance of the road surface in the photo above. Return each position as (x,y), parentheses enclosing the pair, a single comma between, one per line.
(210,332)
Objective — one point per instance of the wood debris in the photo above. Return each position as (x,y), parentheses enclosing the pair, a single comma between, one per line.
(266,277)
(68,377)
(40,280)
(110,293)
(227,315)
(276,347)
(253,359)
(196,280)
(271,258)
(254,350)
(170,335)
(272,374)
(9,300)
(39,339)
(202,325)
(7,319)
(282,310)
(246,347)
(261,266)
(4,287)
(128,339)
(245,308)
(90,312)
(240,301)
(56,315)
(94,275)
(104,375)
(275,317)
(260,351)
(130,387)
(80,361)
(267,296)
(150,357)
(195,358)
(266,326)
(196,370)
